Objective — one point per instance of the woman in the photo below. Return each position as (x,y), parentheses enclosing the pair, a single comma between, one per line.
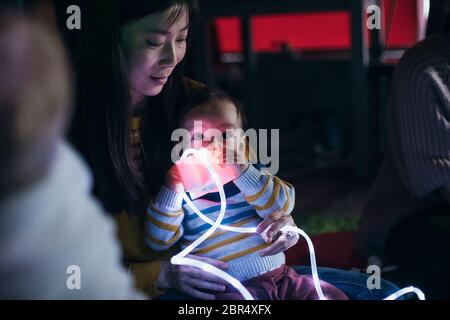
(128,57)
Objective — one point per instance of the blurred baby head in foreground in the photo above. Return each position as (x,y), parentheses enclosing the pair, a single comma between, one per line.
(35,100)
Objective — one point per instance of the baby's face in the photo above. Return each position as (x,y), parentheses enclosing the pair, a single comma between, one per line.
(216,120)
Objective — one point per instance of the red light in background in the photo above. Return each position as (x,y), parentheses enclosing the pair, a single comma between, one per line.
(403,32)
(306,31)
(314,31)
(229,34)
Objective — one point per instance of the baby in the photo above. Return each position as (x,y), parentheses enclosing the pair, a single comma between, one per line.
(250,197)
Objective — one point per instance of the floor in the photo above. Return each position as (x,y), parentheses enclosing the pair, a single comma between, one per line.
(330,200)
(327,199)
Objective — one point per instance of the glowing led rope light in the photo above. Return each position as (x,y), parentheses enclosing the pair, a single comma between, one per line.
(209,221)
(180,258)
(253,230)
(404,291)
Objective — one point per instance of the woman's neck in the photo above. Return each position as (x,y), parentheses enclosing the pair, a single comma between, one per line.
(137,99)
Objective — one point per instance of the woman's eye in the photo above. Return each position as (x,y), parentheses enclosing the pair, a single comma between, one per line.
(181,41)
(153,44)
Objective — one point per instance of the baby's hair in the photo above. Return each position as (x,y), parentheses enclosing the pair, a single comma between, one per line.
(210,95)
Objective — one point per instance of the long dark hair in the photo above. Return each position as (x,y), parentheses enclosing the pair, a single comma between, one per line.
(101,130)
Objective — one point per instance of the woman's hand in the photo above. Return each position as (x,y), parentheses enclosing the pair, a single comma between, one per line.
(281,241)
(190,280)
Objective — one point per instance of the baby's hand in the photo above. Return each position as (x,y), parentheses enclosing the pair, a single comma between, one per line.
(270,231)
(233,153)
(173,179)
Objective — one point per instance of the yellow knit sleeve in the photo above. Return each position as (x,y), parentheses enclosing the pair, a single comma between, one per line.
(145,276)
(143,263)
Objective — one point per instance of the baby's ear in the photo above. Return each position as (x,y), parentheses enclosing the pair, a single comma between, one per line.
(241,120)
(247,148)
(249,152)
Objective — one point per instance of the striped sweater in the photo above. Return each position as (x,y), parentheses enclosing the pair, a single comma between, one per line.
(250,198)
(416,168)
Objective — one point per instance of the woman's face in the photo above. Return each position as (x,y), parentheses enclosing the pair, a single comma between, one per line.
(153,49)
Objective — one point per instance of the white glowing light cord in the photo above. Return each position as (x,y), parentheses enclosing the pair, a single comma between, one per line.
(253,230)
(180,259)
(404,291)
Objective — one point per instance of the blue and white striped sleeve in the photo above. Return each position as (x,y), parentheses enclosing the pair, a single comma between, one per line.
(267,193)
(164,217)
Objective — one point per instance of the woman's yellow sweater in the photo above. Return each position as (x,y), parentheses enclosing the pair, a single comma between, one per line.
(142,262)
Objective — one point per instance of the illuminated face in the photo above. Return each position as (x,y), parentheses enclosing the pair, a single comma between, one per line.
(153,49)
(216,122)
